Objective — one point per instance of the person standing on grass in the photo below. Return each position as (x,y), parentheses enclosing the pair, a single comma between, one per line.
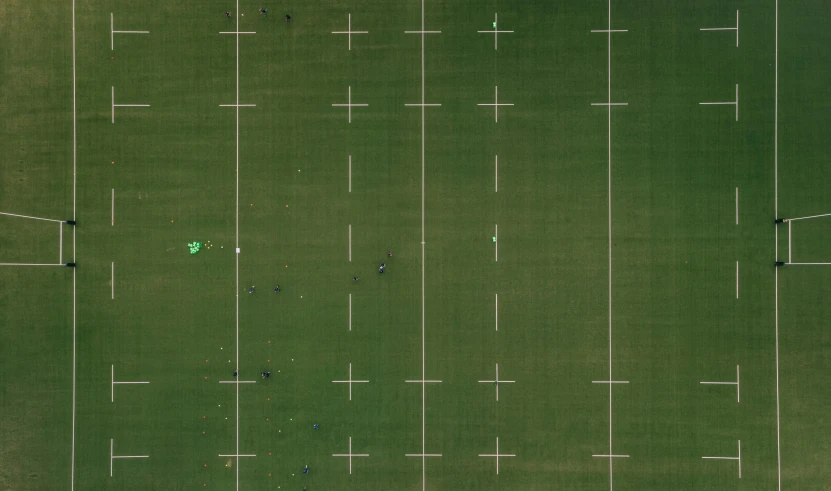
(251,290)
(355,278)
(264,11)
(228,14)
(288,18)
(277,288)
(389,253)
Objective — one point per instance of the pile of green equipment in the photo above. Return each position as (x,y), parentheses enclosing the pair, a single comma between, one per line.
(194,247)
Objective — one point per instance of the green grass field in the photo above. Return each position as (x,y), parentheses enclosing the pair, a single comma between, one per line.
(683,290)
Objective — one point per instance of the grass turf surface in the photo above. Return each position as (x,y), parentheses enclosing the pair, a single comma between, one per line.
(675,318)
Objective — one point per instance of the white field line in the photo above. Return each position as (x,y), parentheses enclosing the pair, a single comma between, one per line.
(790,264)
(737,383)
(735,103)
(496,310)
(611,456)
(349,105)
(112,280)
(726,29)
(114,105)
(739,458)
(113,31)
(237,105)
(350,455)
(349,32)
(497,455)
(237,381)
(237,32)
(113,383)
(610,382)
(237,455)
(609,103)
(350,312)
(60,242)
(350,242)
(496,32)
(495,104)
(350,173)
(350,381)
(496,244)
(113,457)
(790,247)
(737,279)
(33,218)
(497,381)
(112,210)
(610,30)
(737,206)
(496,174)
(74,270)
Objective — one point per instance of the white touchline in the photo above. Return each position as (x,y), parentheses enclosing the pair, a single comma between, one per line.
(349,32)
(726,29)
(350,312)
(350,242)
(74,213)
(60,242)
(349,105)
(496,381)
(350,173)
(496,174)
(113,457)
(495,32)
(350,381)
(790,247)
(113,31)
(739,458)
(495,104)
(350,455)
(736,383)
(112,280)
(737,279)
(497,455)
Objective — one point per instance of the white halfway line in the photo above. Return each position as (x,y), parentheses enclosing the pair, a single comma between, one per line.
(349,105)
(350,455)
(113,31)
(114,105)
(736,103)
(349,32)
(74,249)
(350,381)
(739,458)
(496,34)
(495,103)
(497,455)
(113,457)
(726,29)
(736,383)
(113,383)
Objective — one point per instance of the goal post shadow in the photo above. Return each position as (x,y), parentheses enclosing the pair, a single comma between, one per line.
(35,241)
(807,240)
